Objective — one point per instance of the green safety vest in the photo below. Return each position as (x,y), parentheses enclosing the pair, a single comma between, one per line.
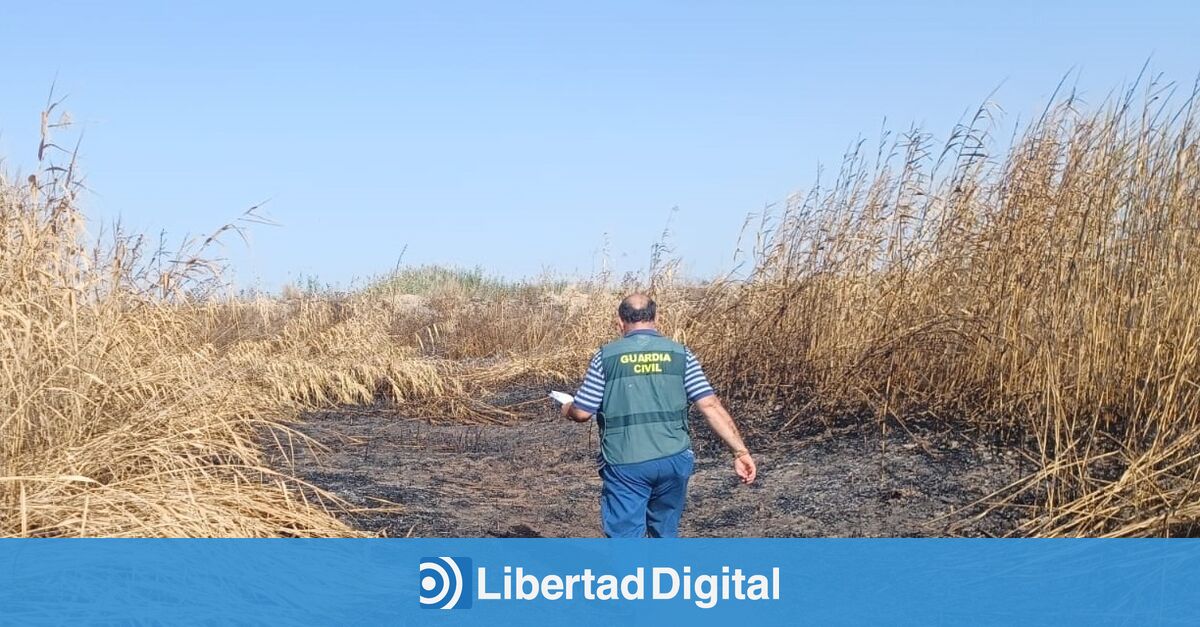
(644,414)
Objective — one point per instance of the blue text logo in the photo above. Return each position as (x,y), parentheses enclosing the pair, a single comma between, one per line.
(445,583)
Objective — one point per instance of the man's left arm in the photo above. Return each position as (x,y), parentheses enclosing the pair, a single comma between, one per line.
(700,392)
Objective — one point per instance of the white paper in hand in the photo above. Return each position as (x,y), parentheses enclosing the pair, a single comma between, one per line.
(562,398)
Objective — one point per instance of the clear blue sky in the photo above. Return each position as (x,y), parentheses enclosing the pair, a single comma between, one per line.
(513,135)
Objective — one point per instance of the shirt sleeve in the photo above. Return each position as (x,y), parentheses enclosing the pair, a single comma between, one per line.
(695,383)
(591,393)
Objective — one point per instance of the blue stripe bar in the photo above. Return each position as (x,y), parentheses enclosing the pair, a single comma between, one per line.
(801,582)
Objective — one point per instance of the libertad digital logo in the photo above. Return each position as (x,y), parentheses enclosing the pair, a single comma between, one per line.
(445,583)
(449,583)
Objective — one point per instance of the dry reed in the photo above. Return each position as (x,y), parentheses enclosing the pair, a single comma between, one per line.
(1048,295)
(1045,294)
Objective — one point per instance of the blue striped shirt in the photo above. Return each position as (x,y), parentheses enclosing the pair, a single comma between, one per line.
(591,394)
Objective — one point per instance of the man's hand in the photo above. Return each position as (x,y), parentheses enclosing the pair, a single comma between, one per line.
(745,468)
(578,415)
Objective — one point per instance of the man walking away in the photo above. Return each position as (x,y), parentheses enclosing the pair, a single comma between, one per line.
(639,388)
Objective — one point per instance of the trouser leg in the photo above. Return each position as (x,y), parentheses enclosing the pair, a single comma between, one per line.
(669,495)
(623,501)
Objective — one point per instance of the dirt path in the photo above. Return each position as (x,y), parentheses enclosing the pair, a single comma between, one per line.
(538,478)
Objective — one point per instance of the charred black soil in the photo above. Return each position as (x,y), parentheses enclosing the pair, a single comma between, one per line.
(537,477)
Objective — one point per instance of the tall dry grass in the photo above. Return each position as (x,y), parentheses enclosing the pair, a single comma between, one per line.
(1048,292)
(139,400)
(1044,293)
(116,420)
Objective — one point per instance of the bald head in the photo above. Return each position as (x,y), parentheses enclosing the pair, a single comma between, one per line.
(637,307)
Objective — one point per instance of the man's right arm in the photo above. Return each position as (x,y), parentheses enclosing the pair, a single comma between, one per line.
(590,394)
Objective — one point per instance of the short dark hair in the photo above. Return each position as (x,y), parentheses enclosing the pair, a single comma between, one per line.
(630,312)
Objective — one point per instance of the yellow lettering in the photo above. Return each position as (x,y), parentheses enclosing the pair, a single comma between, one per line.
(642,358)
(645,358)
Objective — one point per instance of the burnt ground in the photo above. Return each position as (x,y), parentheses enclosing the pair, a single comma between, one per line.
(410,476)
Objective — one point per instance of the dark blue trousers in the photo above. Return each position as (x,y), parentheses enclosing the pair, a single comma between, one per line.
(646,498)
